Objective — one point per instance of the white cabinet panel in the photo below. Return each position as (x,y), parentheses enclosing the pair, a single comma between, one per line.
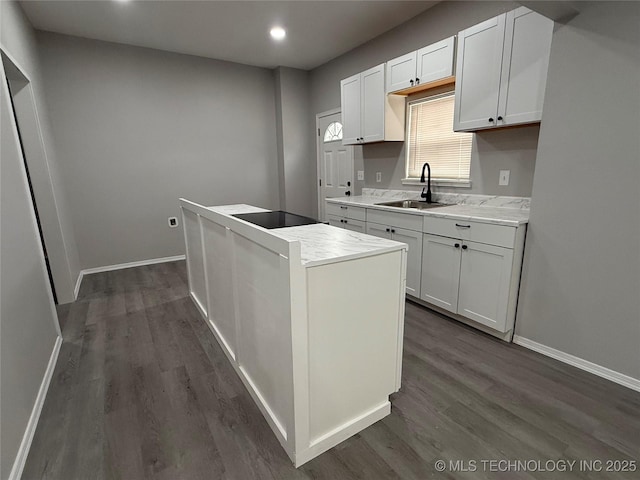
(524,66)
(435,61)
(485,274)
(377,230)
(402,220)
(501,71)
(368,114)
(414,257)
(335,221)
(478,74)
(372,106)
(401,72)
(354,225)
(440,271)
(350,98)
(346,211)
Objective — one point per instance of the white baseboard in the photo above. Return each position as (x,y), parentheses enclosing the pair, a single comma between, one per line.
(121,266)
(604,372)
(76,290)
(27,438)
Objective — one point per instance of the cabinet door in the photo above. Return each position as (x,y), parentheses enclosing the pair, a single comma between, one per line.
(414,257)
(401,72)
(485,276)
(354,225)
(350,98)
(372,104)
(527,46)
(377,230)
(435,61)
(440,271)
(478,75)
(335,221)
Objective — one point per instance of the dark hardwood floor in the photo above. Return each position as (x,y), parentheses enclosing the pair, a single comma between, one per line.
(142,390)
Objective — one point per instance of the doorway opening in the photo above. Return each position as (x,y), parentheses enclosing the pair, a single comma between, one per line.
(16,81)
(335,160)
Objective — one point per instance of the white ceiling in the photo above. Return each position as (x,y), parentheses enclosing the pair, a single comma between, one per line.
(238,31)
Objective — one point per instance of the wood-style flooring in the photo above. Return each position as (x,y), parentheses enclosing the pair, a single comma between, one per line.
(141,390)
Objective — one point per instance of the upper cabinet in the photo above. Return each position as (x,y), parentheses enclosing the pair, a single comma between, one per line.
(368,114)
(501,71)
(423,66)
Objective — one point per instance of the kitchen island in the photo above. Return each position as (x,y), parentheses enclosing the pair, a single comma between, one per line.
(310,317)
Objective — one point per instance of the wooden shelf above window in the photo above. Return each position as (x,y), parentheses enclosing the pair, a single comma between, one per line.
(427,86)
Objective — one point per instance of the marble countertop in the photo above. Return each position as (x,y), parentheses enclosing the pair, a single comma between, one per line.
(478,213)
(320,243)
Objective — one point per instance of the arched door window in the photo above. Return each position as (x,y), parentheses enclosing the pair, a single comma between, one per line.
(333,132)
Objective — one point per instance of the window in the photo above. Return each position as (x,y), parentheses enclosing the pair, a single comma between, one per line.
(333,132)
(430,138)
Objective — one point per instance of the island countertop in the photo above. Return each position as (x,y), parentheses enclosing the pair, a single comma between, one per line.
(320,243)
(294,334)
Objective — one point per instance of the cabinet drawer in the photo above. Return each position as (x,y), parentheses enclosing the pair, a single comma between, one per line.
(400,220)
(487,233)
(347,211)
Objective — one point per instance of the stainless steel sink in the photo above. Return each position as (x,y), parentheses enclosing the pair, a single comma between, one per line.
(412,204)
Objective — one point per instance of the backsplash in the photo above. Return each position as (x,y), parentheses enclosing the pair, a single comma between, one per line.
(454,198)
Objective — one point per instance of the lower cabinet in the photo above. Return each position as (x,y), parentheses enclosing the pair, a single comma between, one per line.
(347,223)
(414,255)
(485,274)
(470,279)
(440,271)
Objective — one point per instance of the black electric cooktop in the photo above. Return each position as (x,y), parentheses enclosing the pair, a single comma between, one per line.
(275,219)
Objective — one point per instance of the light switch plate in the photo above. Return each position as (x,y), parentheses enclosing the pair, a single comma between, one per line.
(360,174)
(378,177)
(504,177)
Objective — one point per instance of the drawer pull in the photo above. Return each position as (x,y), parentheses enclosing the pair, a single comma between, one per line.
(464,247)
(462,226)
(343,207)
(457,245)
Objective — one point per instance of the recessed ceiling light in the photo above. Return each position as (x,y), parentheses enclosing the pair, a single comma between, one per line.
(278,33)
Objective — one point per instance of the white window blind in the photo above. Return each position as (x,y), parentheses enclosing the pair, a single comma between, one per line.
(431,139)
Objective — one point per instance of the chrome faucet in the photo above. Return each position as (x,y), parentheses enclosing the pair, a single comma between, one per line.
(427,195)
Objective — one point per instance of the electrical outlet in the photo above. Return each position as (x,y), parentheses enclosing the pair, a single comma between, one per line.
(360,174)
(378,177)
(504,177)
(173,222)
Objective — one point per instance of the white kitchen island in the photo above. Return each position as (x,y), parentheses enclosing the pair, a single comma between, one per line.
(310,317)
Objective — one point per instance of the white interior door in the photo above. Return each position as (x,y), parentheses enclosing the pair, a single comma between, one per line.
(335,161)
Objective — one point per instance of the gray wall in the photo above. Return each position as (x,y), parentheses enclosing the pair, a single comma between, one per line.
(139,128)
(27,321)
(296,155)
(18,41)
(581,276)
(513,149)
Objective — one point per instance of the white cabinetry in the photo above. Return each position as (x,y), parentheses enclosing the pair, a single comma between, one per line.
(501,71)
(441,271)
(405,228)
(368,114)
(428,64)
(485,273)
(475,280)
(346,216)
(414,256)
